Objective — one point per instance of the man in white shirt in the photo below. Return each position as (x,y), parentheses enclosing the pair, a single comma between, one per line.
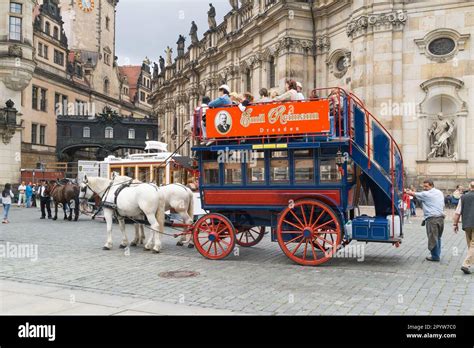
(433,210)
(21,194)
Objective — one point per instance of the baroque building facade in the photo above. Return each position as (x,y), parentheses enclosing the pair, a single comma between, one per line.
(411,62)
(76,74)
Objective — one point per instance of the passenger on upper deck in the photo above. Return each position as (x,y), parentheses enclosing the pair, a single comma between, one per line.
(299,89)
(223,99)
(291,93)
(263,96)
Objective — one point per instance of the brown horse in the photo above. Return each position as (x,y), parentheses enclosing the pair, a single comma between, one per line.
(64,194)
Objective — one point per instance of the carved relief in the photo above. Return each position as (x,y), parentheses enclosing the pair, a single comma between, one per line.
(376,22)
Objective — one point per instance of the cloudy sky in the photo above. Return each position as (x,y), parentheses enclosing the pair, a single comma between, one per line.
(146,27)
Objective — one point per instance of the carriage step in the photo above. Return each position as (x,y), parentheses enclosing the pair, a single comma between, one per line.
(391,240)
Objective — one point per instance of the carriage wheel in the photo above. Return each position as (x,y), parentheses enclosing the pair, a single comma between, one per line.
(247,237)
(309,232)
(214,236)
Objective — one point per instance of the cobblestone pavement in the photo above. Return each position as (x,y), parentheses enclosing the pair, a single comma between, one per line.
(260,280)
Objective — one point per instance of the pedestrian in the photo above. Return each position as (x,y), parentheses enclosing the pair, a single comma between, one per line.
(263,96)
(45,200)
(299,89)
(465,209)
(413,202)
(29,194)
(34,195)
(7,196)
(21,193)
(291,93)
(432,201)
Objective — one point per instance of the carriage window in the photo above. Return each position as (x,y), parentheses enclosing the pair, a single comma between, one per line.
(304,167)
(129,171)
(144,174)
(256,168)
(159,175)
(211,173)
(279,168)
(328,170)
(350,170)
(233,173)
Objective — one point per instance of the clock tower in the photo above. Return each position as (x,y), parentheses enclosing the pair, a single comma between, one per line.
(90,29)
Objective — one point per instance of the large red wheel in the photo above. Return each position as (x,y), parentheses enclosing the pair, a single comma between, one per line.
(309,232)
(247,237)
(214,236)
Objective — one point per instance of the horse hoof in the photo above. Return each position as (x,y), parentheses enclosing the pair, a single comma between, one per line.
(123,246)
(190,246)
(54,219)
(145,249)
(70,219)
(105,248)
(156,252)
(179,244)
(133,244)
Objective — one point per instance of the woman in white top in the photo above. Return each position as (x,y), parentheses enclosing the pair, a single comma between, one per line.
(291,92)
(7,196)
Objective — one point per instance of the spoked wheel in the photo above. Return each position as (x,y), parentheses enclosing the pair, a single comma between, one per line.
(214,236)
(309,232)
(248,237)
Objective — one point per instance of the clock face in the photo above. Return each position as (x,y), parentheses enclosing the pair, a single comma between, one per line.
(86,5)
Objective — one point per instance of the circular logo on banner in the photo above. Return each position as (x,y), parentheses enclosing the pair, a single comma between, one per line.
(223,122)
(86,5)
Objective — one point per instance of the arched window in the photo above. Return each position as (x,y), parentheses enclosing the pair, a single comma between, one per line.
(131,133)
(106,86)
(271,73)
(109,133)
(86,132)
(248,81)
(47,28)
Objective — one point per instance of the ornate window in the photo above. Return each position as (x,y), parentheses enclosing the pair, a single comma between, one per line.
(271,73)
(442,44)
(339,62)
(109,133)
(106,86)
(86,132)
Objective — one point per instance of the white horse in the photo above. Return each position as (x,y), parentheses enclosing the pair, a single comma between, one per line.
(133,201)
(86,194)
(178,199)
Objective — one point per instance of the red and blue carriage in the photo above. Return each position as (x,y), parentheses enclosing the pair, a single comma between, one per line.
(295,170)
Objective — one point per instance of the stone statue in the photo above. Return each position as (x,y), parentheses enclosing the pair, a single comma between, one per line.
(211,17)
(168,52)
(193,33)
(234,4)
(180,44)
(155,70)
(441,136)
(162,65)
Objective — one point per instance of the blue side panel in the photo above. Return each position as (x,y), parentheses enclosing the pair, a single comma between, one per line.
(381,147)
(359,127)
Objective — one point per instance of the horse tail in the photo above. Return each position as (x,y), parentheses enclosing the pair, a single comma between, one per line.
(160,213)
(191,205)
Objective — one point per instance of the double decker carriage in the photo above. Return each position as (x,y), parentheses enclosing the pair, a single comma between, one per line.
(295,170)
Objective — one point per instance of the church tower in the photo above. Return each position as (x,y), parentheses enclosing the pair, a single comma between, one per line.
(90,29)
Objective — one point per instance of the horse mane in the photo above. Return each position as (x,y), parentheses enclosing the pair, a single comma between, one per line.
(123,178)
(98,184)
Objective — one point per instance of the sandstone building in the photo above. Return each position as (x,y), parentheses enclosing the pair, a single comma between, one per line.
(411,62)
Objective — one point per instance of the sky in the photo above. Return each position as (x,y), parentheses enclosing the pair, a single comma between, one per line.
(146,27)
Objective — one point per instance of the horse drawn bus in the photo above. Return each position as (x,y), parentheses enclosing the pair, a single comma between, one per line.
(296,169)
